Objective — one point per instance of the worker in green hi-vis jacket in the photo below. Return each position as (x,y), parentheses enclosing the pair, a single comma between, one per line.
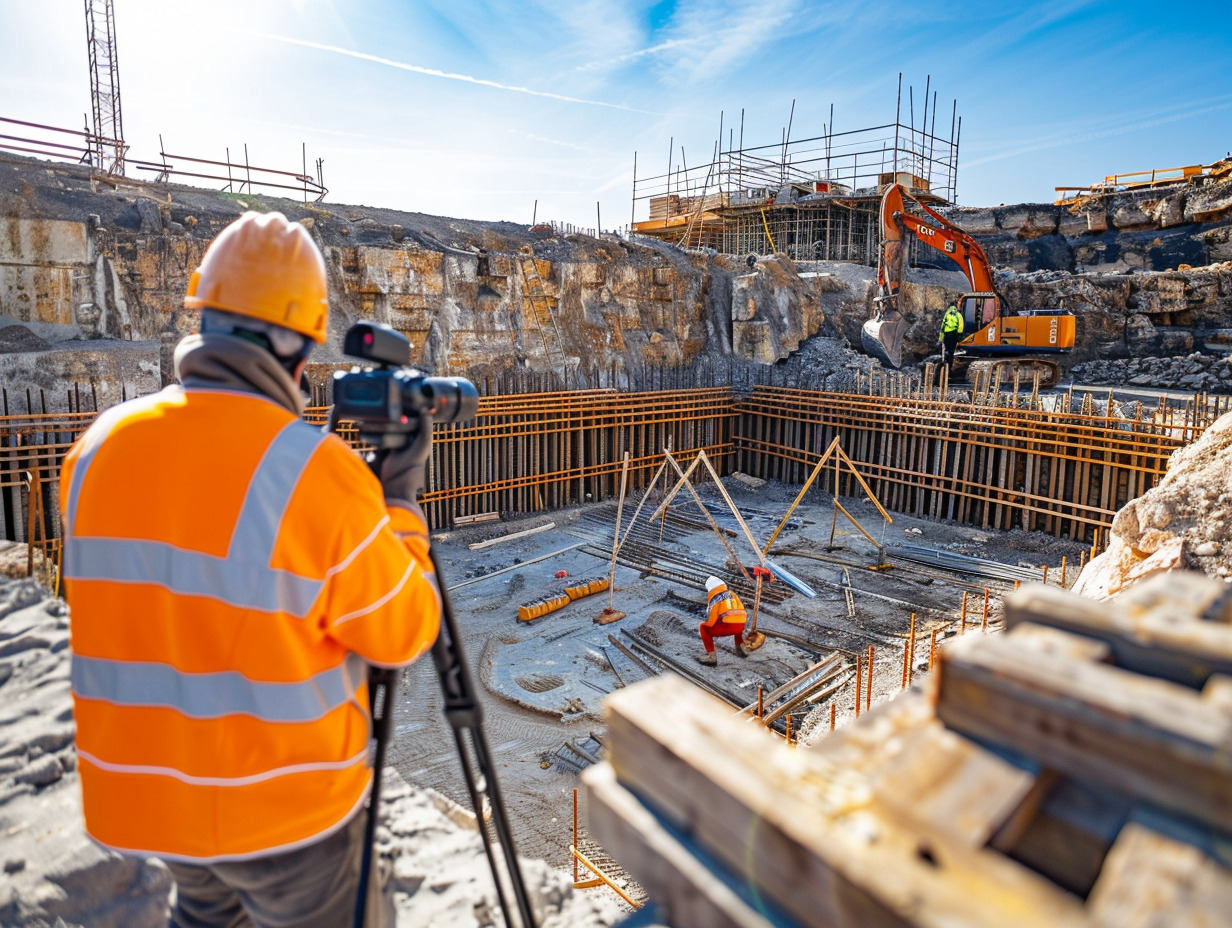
(951,333)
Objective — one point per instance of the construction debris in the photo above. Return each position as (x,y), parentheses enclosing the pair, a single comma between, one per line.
(500,539)
(1064,778)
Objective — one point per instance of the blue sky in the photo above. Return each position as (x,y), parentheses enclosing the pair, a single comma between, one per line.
(476,109)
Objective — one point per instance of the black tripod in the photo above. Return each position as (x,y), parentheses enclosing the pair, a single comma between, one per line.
(465,717)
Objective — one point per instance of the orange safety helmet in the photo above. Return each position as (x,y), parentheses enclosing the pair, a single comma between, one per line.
(264,267)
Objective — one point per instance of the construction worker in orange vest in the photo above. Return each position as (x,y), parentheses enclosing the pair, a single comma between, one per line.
(725,615)
(232,572)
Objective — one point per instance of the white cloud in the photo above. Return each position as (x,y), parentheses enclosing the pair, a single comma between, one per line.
(717,35)
(610,63)
(446,75)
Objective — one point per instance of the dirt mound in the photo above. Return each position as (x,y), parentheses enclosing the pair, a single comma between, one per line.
(1182,523)
(19,338)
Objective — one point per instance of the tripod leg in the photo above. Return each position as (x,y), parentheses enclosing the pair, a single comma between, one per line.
(464,713)
(382,684)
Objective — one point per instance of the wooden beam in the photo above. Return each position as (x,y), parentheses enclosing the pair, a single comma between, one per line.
(684,478)
(804,489)
(1151,738)
(935,779)
(761,557)
(852,519)
(1156,627)
(802,830)
(681,482)
(1150,878)
(686,891)
(478,545)
(867,489)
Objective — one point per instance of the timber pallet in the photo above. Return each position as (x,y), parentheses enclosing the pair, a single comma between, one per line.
(1076,771)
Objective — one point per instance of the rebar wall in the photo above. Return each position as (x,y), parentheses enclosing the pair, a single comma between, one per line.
(985,462)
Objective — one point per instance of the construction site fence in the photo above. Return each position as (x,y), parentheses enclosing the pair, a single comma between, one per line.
(994,459)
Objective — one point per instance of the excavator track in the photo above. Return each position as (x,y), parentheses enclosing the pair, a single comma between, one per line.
(984,372)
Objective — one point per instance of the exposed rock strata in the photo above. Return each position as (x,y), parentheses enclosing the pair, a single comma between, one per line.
(1152,230)
(92,278)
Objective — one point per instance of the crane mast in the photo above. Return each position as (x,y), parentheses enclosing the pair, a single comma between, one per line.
(107,146)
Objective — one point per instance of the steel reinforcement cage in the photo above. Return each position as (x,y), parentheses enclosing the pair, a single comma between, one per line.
(997,460)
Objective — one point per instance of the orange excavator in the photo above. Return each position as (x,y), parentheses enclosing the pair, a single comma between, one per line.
(996,337)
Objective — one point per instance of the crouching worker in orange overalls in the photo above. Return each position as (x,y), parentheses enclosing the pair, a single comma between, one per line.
(726,616)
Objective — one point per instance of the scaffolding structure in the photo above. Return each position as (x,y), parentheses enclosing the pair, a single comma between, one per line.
(813,198)
(109,148)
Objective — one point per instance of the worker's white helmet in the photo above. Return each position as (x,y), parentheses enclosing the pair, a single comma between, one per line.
(713,583)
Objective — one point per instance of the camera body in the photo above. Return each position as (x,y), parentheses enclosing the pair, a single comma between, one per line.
(387,399)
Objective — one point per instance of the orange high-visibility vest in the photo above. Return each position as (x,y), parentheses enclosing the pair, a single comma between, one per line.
(230,570)
(725,606)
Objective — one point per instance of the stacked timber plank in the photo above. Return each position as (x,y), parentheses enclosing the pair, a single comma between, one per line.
(1076,771)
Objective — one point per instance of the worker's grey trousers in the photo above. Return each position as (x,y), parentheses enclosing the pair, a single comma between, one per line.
(313,887)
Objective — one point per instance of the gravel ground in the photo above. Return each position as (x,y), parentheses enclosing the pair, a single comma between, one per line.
(542,683)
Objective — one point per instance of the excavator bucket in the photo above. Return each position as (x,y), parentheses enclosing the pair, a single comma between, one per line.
(882,337)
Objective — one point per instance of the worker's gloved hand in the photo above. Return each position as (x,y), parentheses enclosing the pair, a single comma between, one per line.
(403,472)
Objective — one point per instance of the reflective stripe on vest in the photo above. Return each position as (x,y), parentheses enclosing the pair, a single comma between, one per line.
(728,599)
(243,578)
(214,695)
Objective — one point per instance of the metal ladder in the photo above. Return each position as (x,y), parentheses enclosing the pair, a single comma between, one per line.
(541,308)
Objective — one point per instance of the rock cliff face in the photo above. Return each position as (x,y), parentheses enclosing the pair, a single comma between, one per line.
(92,277)
(84,264)
(1142,230)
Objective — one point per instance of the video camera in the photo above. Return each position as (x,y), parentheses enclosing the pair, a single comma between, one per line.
(389,400)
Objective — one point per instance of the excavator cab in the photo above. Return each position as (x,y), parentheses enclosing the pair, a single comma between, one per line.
(978,309)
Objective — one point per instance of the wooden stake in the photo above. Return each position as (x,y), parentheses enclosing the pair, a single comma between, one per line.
(1044,568)
(620,508)
(984,624)
(963,627)
(911,663)
(932,649)
(759,711)
(1062,570)
(859,676)
(833,707)
(868,689)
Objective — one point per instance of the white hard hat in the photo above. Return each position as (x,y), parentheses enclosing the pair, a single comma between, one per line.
(712,583)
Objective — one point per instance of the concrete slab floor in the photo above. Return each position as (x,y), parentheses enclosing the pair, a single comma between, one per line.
(543,683)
